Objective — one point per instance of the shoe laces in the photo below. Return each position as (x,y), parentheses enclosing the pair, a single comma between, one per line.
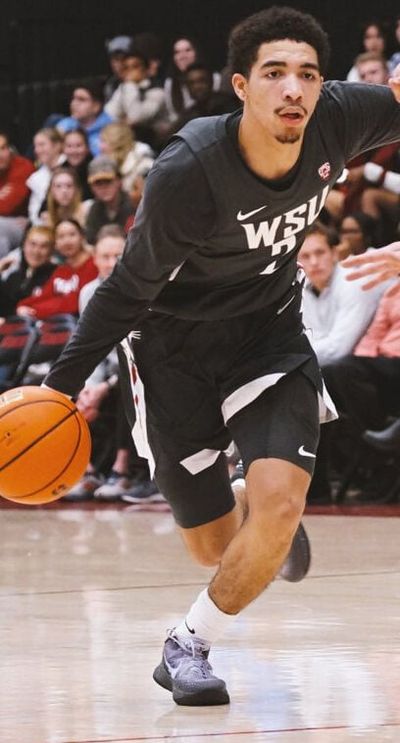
(196,652)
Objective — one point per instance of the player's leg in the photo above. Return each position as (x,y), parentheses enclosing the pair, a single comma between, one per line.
(249,552)
(276,492)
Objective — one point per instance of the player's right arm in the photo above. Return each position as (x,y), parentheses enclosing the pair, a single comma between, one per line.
(174,218)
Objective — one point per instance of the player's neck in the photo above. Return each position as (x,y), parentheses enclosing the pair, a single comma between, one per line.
(264,155)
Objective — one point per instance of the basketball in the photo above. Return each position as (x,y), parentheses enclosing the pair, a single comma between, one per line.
(45,445)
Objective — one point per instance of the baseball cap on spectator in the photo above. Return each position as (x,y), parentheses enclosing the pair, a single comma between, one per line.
(102,169)
(118,45)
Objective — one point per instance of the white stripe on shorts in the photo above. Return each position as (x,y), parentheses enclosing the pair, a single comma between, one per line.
(139,430)
(248,392)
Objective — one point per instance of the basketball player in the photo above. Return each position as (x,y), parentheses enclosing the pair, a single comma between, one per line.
(208,294)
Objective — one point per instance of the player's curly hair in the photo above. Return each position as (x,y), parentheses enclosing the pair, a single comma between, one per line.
(274,24)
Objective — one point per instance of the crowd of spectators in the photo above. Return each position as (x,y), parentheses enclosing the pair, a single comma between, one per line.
(65,212)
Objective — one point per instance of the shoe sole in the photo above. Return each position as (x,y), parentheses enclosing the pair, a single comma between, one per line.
(205,698)
(150,499)
(298,561)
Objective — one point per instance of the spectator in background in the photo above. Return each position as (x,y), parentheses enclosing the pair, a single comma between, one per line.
(357,234)
(101,404)
(78,156)
(48,146)
(64,199)
(131,158)
(206,100)
(395,58)
(373,40)
(335,312)
(99,401)
(381,199)
(365,385)
(14,193)
(152,48)
(347,196)
(60,294)
(30,271)
(137,102)
(111,204)
(117,49)
(87,113)
(372,68)
(184,53)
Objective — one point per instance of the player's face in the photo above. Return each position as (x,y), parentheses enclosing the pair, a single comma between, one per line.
(318,260)
(282,89)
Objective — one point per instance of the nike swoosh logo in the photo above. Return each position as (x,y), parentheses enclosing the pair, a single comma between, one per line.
(278,312)
(240,217)
(192,631)
(303,453)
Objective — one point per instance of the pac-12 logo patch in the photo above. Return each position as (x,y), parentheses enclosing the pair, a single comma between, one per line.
(325,171)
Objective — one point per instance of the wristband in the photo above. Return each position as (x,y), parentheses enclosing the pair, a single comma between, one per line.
(391,182)
(372,172)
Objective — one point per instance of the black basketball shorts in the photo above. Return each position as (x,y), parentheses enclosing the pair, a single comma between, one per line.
(199,386)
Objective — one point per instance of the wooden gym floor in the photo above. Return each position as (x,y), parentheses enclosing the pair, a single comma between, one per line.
(87,593)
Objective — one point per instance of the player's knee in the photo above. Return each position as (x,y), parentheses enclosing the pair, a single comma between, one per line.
(282,508)
(279,502)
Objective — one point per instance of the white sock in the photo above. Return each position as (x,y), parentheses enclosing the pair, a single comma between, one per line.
(204,620)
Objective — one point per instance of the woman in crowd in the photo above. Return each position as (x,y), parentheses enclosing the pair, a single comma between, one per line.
(184,53)
(356,234)
(60,294)
(78,156)
(64,199)
(132,158)
(48,146)
(373,40)
(32,268)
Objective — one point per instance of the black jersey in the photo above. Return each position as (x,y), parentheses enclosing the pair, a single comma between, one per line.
(213,240)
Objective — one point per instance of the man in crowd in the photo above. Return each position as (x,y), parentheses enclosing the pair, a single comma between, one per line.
(372,68)
(335,312)
(111,204)
(14,194)
(207,101)
(87,113)
(137,101)
(117,49)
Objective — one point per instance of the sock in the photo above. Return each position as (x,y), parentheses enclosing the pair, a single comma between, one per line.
(204,620)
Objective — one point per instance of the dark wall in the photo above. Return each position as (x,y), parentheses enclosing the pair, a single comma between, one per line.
(51,40)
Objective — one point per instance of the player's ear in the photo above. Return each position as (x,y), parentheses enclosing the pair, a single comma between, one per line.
(239,84)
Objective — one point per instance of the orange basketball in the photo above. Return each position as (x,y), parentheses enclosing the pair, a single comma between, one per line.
(44,445)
